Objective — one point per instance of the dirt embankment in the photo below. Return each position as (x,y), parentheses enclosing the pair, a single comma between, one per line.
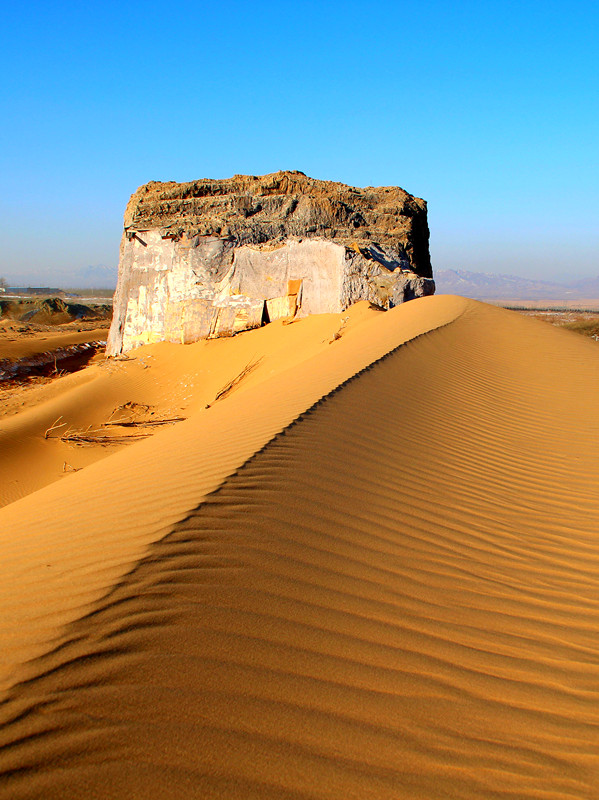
(53,312)
(41,335)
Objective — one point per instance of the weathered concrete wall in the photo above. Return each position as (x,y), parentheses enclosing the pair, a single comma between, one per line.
(266,273)
(223,262)
(182,291)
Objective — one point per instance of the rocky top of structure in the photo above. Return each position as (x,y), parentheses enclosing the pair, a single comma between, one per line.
(271,209)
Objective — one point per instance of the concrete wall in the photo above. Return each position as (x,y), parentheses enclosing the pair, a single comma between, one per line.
(317,263)
(182,290)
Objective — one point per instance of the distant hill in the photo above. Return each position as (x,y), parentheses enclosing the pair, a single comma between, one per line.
(588,286)
(488,286)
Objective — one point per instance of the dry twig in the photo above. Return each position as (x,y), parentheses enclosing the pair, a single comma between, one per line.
(88,437)
(54,427)
(143,423)
(234,383)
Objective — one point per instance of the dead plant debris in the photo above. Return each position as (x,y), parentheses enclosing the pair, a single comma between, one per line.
(234,383)
(102,435)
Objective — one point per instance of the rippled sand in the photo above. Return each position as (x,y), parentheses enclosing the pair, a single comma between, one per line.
(371,573)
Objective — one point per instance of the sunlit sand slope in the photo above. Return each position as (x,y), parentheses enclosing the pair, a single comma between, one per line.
(397,597)
(63,546)
(174,381)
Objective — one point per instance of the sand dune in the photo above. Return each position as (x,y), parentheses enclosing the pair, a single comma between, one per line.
(389,592)
(66,544)
(169,380)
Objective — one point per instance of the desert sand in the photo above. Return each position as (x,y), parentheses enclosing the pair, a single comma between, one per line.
(367,570)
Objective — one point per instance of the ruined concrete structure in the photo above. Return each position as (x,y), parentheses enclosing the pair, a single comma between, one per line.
(214,257)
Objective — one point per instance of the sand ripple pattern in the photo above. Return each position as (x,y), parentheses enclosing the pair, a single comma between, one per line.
(397,597)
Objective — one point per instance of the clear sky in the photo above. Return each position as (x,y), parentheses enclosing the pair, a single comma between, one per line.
(488,110)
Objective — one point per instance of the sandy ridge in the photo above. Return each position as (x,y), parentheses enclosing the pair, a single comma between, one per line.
(393,598)
(66,544)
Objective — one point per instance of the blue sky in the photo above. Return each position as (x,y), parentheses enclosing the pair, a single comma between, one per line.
(488,110)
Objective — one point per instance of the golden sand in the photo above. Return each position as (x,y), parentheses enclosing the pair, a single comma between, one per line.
(370,571)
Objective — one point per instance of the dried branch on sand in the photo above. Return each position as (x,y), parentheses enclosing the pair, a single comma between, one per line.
(234,383)
(141,423)
(54,427)
(102,436)
(91,437)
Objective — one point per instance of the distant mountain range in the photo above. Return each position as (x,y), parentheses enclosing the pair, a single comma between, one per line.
(487,286)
